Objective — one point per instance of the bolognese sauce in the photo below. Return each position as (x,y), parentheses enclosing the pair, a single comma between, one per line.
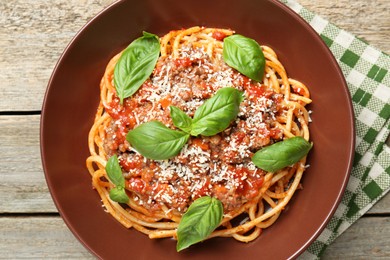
(218,166)
(189,69)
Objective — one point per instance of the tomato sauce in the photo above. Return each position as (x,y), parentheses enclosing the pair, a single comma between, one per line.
(217,166)
(249,182)
(184,62)
(218,35)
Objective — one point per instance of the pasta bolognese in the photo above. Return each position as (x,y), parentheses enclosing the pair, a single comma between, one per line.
(189,70)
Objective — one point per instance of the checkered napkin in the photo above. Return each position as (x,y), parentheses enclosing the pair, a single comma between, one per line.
(366,72)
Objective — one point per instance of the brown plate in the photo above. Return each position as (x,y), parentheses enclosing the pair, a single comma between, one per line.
(73,95)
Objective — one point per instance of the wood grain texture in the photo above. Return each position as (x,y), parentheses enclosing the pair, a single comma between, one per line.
(33,34)
(32,42)
(48,237)
(39,238)
(368,20)
(368,238)
(382,207)
(23,187)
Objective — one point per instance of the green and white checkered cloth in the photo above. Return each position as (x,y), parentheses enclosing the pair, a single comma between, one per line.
(366,70)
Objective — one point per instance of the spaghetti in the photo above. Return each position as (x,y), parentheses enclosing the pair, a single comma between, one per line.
(190,70)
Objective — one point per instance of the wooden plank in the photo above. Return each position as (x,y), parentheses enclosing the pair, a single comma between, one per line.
(23,187)
(368,238)
(33,35)
(381,207)
(32,42)
(39,238)
(369,20)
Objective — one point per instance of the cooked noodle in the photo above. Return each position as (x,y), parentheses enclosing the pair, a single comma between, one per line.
(281,114)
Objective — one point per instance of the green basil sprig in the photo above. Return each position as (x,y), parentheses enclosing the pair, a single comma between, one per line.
(245,55)
(156,141)
(114,173)
(216,113)
(202,217)
(180,119)
(136,64)
(281,154)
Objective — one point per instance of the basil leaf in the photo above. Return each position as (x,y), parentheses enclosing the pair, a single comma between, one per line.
(156,141)
(245,55)
(217,112)
(279,155)
(114,171)
(118,194)
(147,34)
(202,217)
(136,64)
(180,119)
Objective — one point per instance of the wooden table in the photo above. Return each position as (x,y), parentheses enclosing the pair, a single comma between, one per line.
(33,34)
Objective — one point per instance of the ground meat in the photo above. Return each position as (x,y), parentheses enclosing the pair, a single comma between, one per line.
(218,166)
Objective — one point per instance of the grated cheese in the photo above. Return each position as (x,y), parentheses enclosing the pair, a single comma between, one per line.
(181,179)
